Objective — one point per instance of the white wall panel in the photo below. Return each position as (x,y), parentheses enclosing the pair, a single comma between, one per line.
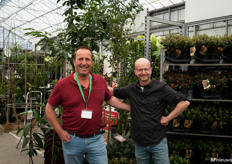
(196,10)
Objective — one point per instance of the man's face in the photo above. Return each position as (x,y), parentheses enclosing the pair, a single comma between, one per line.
(143,71)
(83,62)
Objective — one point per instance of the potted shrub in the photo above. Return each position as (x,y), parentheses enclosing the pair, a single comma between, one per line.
(177,159)
(188,119)
(178,123)
(189,146)
(204,149)
(179,81)
(227,44)
(177,48)
(216,150)
(176,146)
(170,78)
(226,120)
(226,78)
(229,150)
(207,85)
(208,48)
(208,120)
(184,81)
(121,150)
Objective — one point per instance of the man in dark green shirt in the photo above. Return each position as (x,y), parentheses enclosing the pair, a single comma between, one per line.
(148,99)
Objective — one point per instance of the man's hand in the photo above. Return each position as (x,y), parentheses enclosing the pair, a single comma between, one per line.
(64,136)
(164,120)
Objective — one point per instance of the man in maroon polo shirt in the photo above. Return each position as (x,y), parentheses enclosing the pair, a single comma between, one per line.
(81,94)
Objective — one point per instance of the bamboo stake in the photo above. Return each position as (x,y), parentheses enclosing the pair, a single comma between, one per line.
(7,125)
(14,100)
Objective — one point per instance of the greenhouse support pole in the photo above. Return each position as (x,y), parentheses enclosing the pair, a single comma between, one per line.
(148,20)
(226,28)
(147,47)
(25,76)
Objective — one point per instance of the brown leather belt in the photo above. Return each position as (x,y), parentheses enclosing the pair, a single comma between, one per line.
(85,136)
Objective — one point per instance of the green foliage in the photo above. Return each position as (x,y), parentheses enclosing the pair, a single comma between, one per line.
(206,45)
(121,150)
(178,160)
(121,161)
(176,144)
(227,45)
(178,80)
(98,64)
(94,23)
(32,141)
(173,42)
(122,61)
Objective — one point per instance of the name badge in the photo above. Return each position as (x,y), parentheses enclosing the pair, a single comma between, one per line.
(86,114)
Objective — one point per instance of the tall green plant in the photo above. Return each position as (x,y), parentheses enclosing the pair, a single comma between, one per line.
(97,21)
(32,141)
(88,22)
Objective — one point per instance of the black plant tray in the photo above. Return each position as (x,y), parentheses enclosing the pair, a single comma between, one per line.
(181,129)
(205,131)
(226,93)
(184,93)
(198,93)
(211,96)
(177,60)
(201,60)
(226,58)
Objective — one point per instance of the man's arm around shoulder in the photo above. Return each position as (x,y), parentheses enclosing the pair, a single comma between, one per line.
(111,90)
(118,104)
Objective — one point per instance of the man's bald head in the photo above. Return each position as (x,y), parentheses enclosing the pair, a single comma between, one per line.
(142,61)
(143,71)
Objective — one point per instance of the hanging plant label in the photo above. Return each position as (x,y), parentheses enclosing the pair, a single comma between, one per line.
(120,138)
(206,84)
(57,112)
(29,114)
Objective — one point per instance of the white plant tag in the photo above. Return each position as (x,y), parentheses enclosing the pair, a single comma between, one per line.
(29,114)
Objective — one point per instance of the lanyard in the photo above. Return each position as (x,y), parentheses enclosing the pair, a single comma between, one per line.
(90,87)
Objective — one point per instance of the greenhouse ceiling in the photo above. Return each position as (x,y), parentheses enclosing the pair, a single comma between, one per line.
(47,15)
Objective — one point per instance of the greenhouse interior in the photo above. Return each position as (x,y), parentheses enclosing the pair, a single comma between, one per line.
(164,97)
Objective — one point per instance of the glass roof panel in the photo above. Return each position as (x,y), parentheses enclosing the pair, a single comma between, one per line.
(46,15)
(166,3)
(157,4)
(176,1)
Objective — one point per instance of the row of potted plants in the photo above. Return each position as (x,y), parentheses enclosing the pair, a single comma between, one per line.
(199,150)
(204,84)
(206,48)
(203,118)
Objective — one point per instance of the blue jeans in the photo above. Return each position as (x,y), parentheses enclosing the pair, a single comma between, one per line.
(94,148)
(159,153)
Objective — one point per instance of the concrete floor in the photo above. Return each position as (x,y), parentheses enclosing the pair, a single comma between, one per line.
(10,155)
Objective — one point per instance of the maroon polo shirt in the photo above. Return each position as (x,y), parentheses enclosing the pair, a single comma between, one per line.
(67,94)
